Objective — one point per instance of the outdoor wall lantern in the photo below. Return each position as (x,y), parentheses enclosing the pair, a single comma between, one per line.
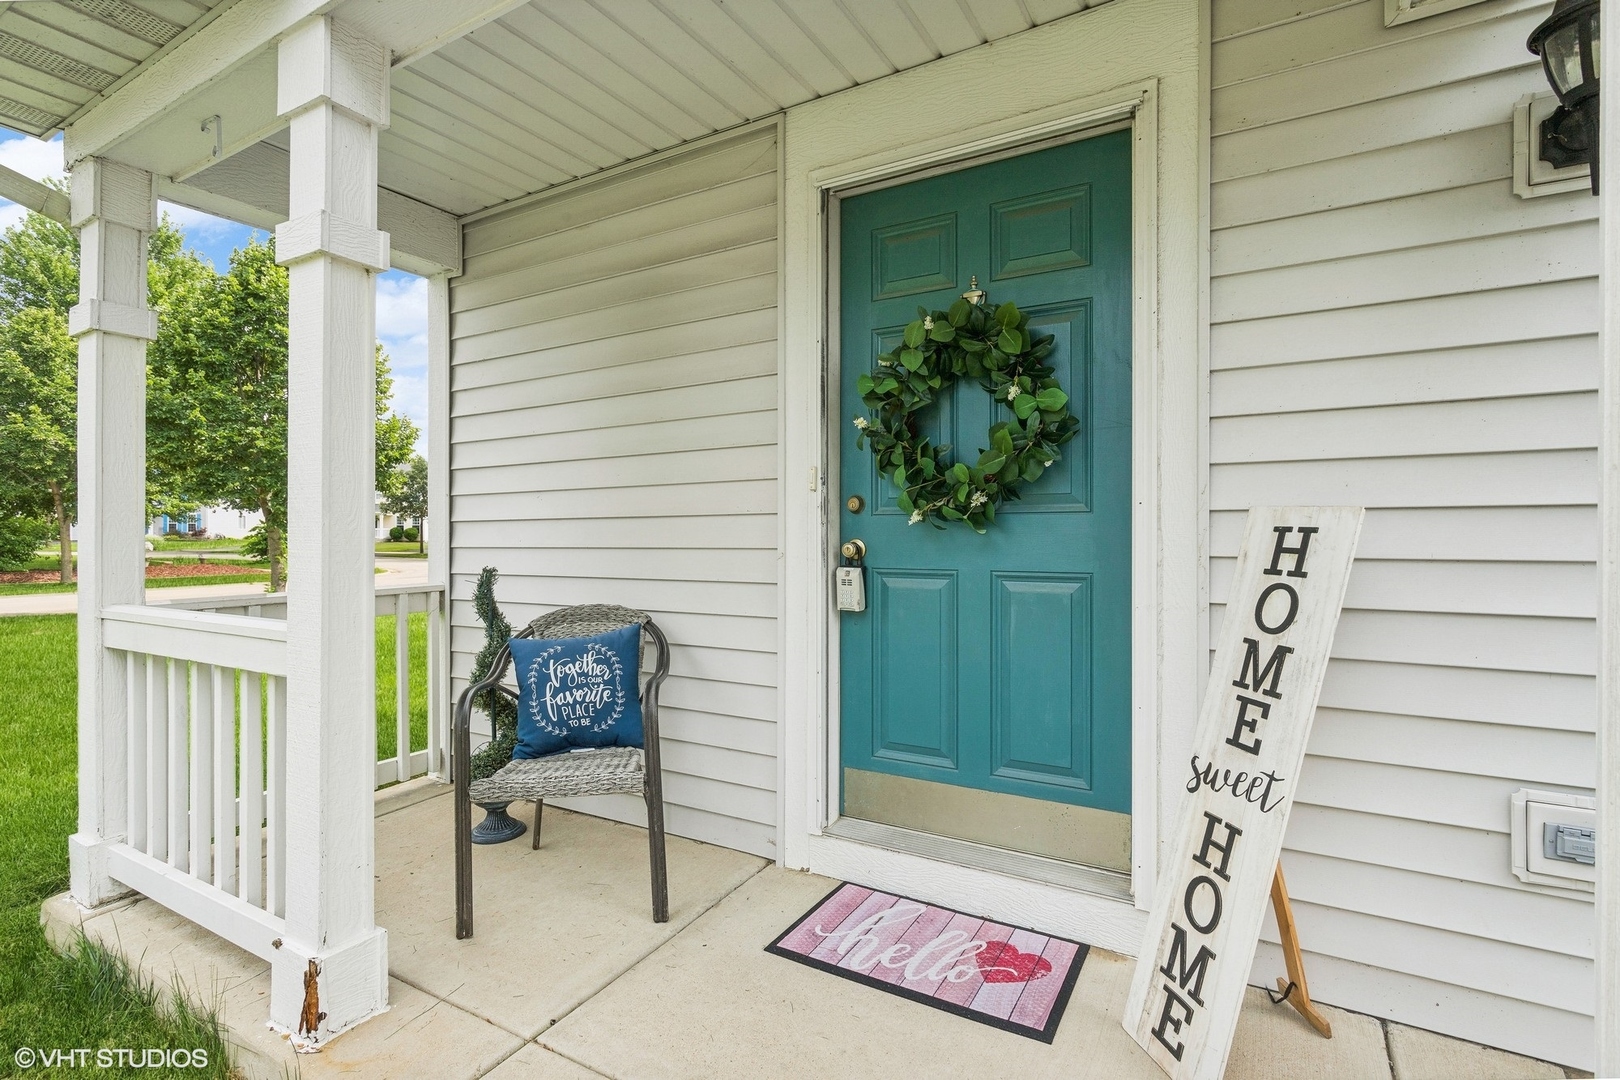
(1567,43)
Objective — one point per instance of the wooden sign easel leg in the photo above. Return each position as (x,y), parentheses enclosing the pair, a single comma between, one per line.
(1294,989)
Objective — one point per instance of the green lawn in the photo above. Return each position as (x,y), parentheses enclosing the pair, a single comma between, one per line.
(180,543)
(385,684)
(88,998)
(399,547)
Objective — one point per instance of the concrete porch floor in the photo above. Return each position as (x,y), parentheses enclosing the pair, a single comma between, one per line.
(567,978)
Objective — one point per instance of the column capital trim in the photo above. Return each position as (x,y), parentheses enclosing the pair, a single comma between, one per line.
(110,191)
(325,60)
(89,316)
(322,233)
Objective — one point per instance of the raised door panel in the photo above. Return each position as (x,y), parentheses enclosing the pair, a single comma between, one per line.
(914,649)
(1041,666)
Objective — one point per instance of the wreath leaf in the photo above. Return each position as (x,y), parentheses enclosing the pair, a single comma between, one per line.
(997,349)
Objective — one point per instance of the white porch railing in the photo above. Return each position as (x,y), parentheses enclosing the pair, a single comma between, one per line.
(205,698)
(399,601)
(205,691)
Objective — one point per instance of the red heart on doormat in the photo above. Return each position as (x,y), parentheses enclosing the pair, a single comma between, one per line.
(1004,963)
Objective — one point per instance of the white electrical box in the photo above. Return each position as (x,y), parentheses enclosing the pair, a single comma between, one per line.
(1554,839)
(1533,177)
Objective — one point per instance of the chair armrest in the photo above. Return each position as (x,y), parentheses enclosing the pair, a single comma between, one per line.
(461,731)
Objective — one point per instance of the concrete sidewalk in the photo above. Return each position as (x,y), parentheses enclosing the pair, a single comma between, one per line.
(568,978)
(395,571)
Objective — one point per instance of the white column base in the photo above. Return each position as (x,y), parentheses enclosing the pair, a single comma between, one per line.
(89,883)
(351,986)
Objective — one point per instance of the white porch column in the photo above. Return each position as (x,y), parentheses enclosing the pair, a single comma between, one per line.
(438,520)
(114,208)
(332,87)
(1608,719)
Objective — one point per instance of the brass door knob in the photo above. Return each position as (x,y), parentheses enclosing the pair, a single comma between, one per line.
(854,550)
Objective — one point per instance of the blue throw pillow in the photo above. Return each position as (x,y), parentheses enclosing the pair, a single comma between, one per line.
(577,692)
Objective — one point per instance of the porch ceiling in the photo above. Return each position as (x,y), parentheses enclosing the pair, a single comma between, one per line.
(56,58)
(491,101)
(557,89)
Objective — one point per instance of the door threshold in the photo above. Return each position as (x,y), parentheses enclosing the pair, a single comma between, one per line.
(1087,879)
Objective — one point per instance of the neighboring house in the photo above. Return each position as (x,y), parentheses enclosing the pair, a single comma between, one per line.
(213,521)
(234,524)
(385,521)
(1287,259)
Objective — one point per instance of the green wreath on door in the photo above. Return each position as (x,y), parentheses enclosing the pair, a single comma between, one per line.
(938,348)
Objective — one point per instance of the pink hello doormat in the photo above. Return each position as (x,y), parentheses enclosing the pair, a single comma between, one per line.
(1000,975)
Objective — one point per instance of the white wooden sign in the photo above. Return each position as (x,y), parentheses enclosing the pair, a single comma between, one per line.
(1241,779)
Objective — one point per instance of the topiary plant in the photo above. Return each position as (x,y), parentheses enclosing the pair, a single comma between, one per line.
(502,710)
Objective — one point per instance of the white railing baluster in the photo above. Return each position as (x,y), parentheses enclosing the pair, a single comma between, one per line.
(202,772)
(436,708)
(276,818)
(179,768)
(205,697)
(402,685)
(135,786)
(247,647)
(252,786)
(223,680)
(157,756)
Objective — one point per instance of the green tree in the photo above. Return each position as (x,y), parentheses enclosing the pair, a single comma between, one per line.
(38,418)
(396,434)
(410,499)
(217,431)
(21,536)
(181,286)
(39,282)
(39,266)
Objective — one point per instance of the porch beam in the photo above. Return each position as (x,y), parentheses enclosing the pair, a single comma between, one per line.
(38,197)
(194,64)
(251,187)
(1608,680)
(114,208)
(332,971)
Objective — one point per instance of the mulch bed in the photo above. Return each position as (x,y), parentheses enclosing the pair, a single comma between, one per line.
(153,570)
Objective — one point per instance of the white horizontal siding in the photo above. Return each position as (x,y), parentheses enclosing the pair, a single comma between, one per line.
(1392,327)
(613,417)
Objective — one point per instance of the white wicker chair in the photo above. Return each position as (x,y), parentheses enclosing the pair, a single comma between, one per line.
(607,771)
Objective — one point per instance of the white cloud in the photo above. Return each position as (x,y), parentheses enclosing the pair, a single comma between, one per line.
(401,306)
(34,158)
(195,223)
(402,328)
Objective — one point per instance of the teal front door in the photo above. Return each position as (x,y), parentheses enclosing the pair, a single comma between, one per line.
(985,690)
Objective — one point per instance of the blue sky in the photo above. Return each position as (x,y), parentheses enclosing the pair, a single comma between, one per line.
(401,297)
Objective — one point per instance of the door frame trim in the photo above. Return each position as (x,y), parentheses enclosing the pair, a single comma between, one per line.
(1168,603)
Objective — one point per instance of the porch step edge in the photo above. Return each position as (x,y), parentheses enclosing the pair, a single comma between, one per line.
(399,796)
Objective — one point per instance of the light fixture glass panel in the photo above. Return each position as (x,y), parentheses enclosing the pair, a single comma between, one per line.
(1563,53)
